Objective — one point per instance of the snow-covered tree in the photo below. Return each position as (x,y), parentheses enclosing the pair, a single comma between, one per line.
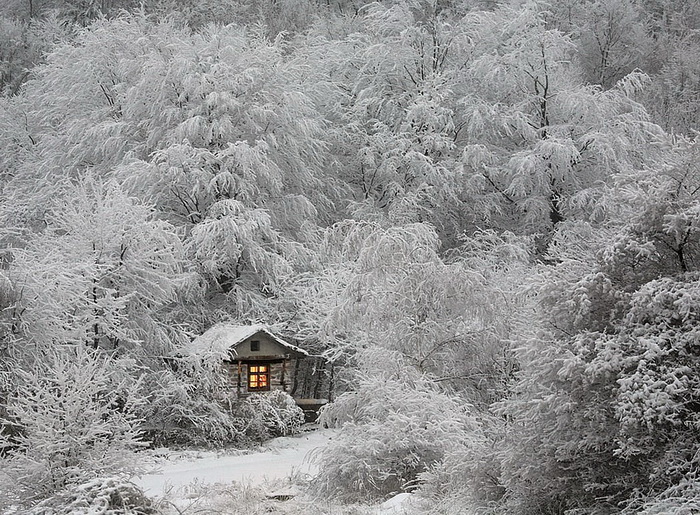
(388,288)
(613,38)
(673,94)
(99,272)
(75,413)
(424,342)
(602,411)
(205,127)
(538,142)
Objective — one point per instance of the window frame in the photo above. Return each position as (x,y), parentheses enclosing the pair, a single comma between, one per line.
(254,370)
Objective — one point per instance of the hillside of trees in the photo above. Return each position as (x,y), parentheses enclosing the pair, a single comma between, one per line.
(484,213)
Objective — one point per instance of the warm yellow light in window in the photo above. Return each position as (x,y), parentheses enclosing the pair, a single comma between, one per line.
(258,377)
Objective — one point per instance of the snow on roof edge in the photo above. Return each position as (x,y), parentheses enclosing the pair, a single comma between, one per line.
(223,336)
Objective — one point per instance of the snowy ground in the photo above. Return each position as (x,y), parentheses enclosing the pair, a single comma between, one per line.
(196,481)
(281,458)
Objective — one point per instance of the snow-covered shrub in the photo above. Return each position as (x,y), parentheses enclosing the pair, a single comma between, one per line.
(680,499)
(604,414)
(189,405)
(99,496)
(270,414)
(468,476)
(194,403)
(75,413)
(391,431)
(250,499)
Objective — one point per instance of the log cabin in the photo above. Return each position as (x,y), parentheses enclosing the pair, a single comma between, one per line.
(256,360)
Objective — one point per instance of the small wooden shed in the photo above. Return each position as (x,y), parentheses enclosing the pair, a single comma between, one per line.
(257,360)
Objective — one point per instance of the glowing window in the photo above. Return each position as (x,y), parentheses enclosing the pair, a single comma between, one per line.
(258,377)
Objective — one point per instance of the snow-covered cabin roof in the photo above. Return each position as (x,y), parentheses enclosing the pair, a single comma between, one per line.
(222,337)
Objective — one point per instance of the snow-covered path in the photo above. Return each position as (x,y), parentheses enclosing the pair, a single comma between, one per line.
(282,458)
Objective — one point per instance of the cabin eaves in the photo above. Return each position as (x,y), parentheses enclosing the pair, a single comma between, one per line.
(223,338)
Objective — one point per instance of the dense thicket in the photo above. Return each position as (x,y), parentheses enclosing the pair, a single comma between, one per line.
(484,213)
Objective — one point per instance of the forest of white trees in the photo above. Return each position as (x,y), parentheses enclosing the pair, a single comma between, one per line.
(484,213)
